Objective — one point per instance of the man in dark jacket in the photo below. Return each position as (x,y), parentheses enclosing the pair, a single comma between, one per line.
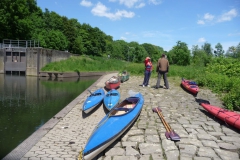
(162,69)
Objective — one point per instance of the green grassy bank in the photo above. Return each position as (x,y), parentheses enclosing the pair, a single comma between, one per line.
(220,76)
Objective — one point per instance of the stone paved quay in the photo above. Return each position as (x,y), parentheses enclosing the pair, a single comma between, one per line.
(203,137)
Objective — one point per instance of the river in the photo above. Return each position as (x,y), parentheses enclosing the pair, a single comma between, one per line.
(26,103)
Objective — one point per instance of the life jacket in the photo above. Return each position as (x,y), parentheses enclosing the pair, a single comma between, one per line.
(148,66)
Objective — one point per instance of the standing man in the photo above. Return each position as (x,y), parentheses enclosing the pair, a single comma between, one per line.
(147,72)
(162,69)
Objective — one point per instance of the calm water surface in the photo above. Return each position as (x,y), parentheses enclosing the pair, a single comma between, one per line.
(26,103)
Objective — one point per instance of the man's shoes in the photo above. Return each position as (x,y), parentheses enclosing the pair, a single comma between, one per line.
(143,85)
(156,87)
(164,87)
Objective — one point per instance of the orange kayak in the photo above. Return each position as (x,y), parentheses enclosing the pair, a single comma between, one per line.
(229,117)
(191,86)
(113,83)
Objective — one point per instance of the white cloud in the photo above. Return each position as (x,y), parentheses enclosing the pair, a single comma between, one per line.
(200,22)
(128,3)
(201,40)
(208,17)
(234,34)
(102,11)
(149,34)
(131,3)
(140,5)
(228,16)
(155,34)
(123,38)
(86,3)
(155,2)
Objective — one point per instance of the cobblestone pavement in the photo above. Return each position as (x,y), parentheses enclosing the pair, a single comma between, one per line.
(203,137)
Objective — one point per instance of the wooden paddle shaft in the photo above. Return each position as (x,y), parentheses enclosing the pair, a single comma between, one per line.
(163,121)
(168,126)
(166,123)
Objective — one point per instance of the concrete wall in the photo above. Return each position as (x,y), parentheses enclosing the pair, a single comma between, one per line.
(1,61)
(39,57)
(36,58)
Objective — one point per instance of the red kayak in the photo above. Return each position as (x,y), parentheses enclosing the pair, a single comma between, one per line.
(113,83)
(191,86)
(229,117)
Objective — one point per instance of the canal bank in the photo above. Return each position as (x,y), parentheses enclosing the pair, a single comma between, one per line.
(202,135)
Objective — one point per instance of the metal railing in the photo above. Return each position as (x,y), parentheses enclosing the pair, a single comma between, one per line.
(19,43)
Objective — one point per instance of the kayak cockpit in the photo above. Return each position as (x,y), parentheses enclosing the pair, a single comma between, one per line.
(95,94)
(124,107)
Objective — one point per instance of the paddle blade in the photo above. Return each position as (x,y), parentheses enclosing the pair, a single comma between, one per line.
(174,136)
(167,134)
(156,109)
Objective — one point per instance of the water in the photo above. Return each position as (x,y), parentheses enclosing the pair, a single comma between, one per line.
(26,103)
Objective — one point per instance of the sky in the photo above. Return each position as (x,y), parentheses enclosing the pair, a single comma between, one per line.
(158,22)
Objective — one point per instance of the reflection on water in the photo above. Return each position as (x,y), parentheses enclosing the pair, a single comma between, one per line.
(26,103)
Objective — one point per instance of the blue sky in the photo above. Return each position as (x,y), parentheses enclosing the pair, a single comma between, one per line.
(158,22)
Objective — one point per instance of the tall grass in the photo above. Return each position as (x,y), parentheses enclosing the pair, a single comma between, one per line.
(84,63)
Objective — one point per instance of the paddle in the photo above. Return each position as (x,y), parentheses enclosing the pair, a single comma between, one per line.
(170,134)
(167,133)
(90,92)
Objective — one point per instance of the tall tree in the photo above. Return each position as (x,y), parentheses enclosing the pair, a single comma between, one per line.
(14,18)
(233,51)
(179,54)
(200,57)
(207,48)
(219,50)
(53,39)
(52,21)
(153,51)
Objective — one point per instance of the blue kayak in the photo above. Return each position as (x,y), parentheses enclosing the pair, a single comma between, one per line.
(93,100)
(111,99)
(113,125)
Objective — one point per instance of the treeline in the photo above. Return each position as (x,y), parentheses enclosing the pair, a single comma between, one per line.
(24,20)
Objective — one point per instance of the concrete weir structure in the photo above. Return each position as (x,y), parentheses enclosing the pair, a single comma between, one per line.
(26,57)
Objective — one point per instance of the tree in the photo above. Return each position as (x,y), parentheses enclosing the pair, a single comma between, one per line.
(119,47)
(207,48)
(139,54)
(200,57)
(53,40)
(52,21)
(219,50)
(14,18)
(179,54)
(71,29)
(153,51)
(233,51)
